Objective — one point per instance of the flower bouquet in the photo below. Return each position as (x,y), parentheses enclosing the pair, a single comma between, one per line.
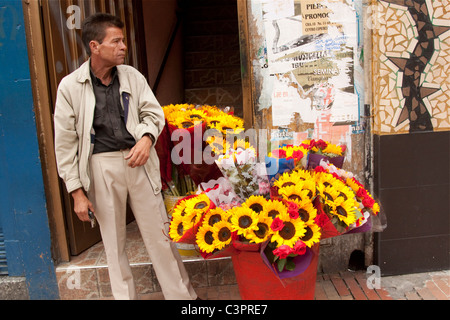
(183,140)
(343,205)
(247,176)
(187,216)
(279,236)
(286,159)
(320,149)
(221,192)
(274,226)
(362,207)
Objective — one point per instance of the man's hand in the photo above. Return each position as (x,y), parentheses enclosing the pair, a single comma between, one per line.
(140,153)
(81,205)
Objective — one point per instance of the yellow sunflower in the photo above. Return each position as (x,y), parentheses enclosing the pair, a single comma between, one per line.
(291,232)
(324,178)
(226,123)
(287,179)
(303,174)
(217,143)
(172,108)
(263,232)
(240,143)
(234,121)
(333,149)
(294,193)
(309,185)
(180,209)
(192,217)
(184,123)
(273,208)
(205,238)
(214,216)
(306,211)
(376,208)
(174,115)
(199,202)
(346,192)
(196,115)
(256,203)
(176,228)
(244,220)
(211,110)
(312,234)
(222,234)
(217,120)
(328,192)
(353,184)
(344,210)
(195,208)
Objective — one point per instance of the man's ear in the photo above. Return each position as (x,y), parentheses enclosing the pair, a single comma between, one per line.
(93,45)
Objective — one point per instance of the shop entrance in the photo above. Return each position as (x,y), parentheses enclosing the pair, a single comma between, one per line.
(187,49)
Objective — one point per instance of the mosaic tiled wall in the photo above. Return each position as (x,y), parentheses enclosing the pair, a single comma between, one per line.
(411,65)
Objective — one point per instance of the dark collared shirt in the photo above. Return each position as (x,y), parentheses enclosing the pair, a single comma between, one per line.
(111,133)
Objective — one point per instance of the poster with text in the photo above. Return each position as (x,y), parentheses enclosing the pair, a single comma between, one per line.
(311,57)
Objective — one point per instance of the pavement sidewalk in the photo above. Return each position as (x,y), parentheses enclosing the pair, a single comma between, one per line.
(353,286)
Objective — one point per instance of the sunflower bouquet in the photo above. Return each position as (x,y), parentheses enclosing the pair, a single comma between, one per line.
(367,207)
(320,149)
(281,229)
(187,216)
(194,120)
(215,235)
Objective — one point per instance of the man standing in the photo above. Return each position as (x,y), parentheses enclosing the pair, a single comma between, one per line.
(106,123)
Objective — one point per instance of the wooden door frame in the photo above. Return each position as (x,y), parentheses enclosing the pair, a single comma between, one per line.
(246,63)
(44,125)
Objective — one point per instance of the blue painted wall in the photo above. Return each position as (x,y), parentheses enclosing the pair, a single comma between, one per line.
(23,212)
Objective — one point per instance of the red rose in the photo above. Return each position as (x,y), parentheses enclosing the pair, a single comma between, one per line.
(361,193)
(368,202)
(319,144)
(299,247)
(277,224)
(292,210)
(279,153)
(297,154)
(321,219)
(320,169)
(282,251)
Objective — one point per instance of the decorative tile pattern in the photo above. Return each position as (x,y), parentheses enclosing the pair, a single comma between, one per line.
(411,55)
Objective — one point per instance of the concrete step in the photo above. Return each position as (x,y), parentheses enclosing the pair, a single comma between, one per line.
(86,275)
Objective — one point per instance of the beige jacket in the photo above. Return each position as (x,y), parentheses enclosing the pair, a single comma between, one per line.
(74,114)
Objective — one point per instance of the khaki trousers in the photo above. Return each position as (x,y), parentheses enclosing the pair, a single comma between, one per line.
(112,184)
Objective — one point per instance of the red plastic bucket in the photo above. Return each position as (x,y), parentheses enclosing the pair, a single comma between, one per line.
(257,282)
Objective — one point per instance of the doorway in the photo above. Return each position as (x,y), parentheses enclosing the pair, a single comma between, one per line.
(193,53)
(187,49)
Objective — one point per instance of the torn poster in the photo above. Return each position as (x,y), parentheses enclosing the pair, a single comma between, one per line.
(276,9)
(311,57)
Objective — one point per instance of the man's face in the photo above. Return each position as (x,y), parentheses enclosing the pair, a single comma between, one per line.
(112,50)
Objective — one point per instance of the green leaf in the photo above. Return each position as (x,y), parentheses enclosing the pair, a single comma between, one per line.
(290,265)
(281,263)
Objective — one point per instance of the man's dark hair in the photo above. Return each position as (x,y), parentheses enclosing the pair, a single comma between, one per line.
(94,28)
